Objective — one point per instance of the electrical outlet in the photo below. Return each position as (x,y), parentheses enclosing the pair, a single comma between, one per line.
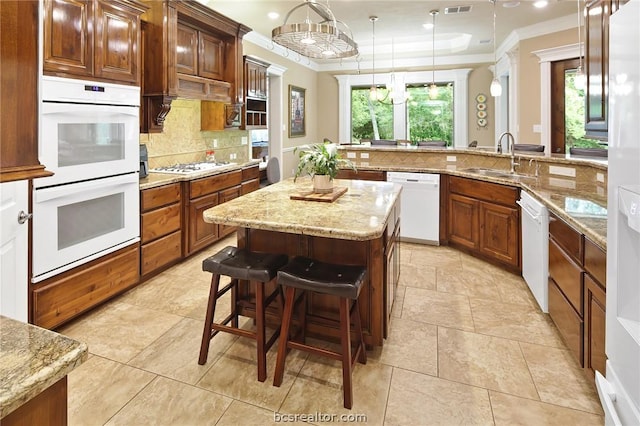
(215,143)
(244,140)
(364,155)
(351,155)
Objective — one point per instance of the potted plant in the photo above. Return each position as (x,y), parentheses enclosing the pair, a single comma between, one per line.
(321,162)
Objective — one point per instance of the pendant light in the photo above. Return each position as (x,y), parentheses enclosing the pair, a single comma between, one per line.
(496,88)
(433,89)
(373,91)
(580,78)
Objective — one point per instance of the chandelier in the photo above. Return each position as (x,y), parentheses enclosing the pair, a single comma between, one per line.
(322,40)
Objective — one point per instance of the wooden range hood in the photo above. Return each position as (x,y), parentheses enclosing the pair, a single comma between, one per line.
(188,51)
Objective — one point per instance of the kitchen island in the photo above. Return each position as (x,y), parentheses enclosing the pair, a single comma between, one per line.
(359,228)
(34,364)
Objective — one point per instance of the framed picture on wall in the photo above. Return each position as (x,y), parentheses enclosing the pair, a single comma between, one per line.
(296,112)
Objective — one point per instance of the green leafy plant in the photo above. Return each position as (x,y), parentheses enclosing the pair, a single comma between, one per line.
(321,159)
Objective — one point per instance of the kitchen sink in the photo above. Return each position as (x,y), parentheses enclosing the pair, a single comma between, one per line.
(497,173)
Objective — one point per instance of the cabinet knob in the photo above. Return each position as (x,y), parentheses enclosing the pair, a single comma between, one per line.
(23,217)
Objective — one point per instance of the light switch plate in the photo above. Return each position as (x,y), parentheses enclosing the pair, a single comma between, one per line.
(351,155)
(451,158)
(244,140)
(364,155)
(215,143)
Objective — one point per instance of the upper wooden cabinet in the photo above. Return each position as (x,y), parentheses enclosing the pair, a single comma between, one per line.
(255,74)
(19,91)
(93,39)
(597,58)
(255,102)
(189,51)
(597,65)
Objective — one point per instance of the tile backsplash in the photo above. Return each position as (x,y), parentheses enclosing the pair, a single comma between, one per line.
(182,141)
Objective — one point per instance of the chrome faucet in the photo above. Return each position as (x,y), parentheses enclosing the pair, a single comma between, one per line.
(511,150)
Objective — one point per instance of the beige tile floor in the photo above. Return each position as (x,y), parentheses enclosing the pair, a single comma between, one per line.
(468,345)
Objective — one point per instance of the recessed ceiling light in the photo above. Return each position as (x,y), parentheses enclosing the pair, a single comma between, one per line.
(510,4)
(273,15)
(540,4)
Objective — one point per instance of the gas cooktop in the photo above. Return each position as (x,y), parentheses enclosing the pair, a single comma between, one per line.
(186,168)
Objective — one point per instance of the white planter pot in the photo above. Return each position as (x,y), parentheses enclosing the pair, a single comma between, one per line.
(322,184)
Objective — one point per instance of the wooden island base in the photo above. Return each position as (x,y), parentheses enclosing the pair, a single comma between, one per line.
(322,310)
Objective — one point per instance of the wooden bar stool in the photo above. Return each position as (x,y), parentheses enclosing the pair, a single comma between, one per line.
(258,269)
(341,281)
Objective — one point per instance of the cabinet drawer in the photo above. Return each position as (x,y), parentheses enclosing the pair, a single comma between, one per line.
(565,318)
(160,196)
(215,183)
(250,186)
(595,262)
(567,275)
(362,175)
(161,252)
(249,173)
(566,237)
(486,191)
(160,222)
(63,297)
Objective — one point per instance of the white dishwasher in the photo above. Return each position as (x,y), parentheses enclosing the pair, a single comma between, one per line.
(419,206)
(535,248)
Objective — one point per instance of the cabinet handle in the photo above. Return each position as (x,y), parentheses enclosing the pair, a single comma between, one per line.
(23,217)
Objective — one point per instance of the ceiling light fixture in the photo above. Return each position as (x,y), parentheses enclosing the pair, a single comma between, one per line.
(397,98)
(496,88)
(579,80)
(316,40)
(433,89)
(540,4)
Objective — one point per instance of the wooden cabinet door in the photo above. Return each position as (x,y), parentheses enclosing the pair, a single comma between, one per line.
(68,37)
(597,59)
(187,50)
(499,233)
(463,221)
(256,79)
(117,54)
(224,196)
(210,56)
(594,326)
(201,233)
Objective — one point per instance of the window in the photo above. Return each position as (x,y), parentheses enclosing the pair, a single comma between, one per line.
(430,119)
(370,119)
(419,119)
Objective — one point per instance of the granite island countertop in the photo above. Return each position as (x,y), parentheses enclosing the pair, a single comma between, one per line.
(31,360)
(360,214)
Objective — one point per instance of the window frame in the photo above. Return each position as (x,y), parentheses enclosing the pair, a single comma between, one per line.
(459,78)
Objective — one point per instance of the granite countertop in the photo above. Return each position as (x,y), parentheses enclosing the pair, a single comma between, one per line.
(581,204)
(154,179)
(31,360)
(360,214)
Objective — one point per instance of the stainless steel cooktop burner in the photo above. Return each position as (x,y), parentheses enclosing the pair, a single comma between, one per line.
(186,168)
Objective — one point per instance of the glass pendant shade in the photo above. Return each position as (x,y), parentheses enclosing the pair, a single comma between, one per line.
(433,91)
(580,79)
(496,88)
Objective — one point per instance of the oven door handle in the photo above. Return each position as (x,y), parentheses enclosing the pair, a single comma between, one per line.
(47,194)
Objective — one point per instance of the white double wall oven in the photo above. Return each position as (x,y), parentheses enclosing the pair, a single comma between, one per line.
(90,206)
